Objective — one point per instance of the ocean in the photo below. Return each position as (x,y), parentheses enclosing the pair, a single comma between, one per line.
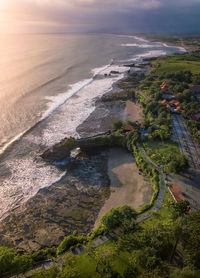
(48,87)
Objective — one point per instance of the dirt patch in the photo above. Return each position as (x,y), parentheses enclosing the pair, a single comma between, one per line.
(132,111)
(127,186)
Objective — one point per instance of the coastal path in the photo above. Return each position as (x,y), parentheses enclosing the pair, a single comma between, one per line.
(161,194)
(101,240)
(144,95)
(157,205)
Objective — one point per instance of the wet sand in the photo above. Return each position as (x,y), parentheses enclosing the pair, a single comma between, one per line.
(127,186)
(132,111)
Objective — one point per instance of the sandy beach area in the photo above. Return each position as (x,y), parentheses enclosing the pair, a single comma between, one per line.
(132,111)
(127,186)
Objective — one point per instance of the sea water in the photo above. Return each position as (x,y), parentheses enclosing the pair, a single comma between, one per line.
(48,87)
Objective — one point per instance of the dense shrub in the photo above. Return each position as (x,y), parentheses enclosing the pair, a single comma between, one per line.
(117,124)
(70,241)
(121,216)
(11,262)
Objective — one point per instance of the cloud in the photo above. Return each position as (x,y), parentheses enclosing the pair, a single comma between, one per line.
(99,15)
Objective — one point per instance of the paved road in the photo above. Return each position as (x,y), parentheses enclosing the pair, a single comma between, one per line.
(188,147)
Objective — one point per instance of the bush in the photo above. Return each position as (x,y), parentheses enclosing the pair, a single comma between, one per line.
(117,124)
(121,216)
(70,241)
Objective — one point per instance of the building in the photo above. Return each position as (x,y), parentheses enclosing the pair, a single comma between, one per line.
(164,87)
(128,128)
(172,105)
(176,192)
(195,89)
(195,117)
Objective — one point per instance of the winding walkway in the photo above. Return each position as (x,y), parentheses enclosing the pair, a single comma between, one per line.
(157,205)
(161,194)
(144,95)
(101,240)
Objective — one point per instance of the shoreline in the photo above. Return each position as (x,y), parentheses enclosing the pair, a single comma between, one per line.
(80,190)
(113,109)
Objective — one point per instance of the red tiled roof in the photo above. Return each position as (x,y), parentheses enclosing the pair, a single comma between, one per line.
(176,192)
(128,128)
(164,101)
(178,108)
(174,102)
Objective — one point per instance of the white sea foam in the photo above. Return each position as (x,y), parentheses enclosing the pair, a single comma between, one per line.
(72,113)
(70,110)
(149,54)
(140,45)
(27,177)
(182,49)
(64,113)
(140,39)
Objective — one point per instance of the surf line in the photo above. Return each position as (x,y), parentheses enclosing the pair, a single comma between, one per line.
(19,136)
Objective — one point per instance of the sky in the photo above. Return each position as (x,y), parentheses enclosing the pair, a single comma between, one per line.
(121,16)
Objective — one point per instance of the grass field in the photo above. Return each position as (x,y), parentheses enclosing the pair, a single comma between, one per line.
(163,216)
(85,264)
(173,65)
(161,152)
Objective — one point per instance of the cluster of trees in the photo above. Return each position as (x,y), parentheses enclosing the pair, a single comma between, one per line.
(160,249)
(119,217)
(179,83)
(159,121)
(177,164)
(70,242)
(12,262)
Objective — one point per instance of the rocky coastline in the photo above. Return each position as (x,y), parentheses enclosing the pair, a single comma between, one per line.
(74,203)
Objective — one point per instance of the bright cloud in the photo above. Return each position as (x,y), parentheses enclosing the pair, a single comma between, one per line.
(80,15)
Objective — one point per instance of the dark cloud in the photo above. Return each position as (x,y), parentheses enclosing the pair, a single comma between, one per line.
(104,15)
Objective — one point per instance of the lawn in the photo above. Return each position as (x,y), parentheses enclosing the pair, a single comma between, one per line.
(161,152)
(163,215)
(85,264)
(176,63)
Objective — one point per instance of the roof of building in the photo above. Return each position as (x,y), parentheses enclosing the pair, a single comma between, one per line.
(176,192)
(128,128)
(196,117)
(178,108)
(165,84)
(195,88)
(164,101)
(174,102)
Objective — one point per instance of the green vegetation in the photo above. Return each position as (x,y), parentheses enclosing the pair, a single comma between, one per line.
(167,155)
(119,217)
(191,41)
(149,171)
(70,241)
(117,124)
(11,262)
(180,71)
(165,245)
